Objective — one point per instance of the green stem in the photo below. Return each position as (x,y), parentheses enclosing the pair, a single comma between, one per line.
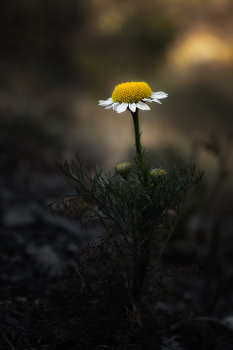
(162,250)
(137,131)
(136,263)
(166,242)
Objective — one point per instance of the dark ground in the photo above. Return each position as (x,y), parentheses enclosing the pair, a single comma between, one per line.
(36,247)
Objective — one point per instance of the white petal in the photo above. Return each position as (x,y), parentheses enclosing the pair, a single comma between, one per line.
(106,102)
(147,99)
(115,106)
(142,106)
(123,106)
(132,107)
(159,95)
(155,100)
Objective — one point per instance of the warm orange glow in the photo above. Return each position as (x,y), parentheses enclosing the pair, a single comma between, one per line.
(200,47)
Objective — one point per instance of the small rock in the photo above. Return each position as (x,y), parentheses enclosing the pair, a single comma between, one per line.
(171,344)
(72,247)
(44,255)
(11,321)
(18,216)
(228,321)
(7,195)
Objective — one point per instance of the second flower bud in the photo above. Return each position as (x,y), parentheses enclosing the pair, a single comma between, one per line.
(124,169)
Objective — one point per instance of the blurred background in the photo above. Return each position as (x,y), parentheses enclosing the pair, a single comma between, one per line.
(59,58)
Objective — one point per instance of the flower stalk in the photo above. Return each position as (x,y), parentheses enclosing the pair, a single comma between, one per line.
(137,131)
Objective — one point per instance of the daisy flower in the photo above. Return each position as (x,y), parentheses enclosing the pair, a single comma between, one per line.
(132,96)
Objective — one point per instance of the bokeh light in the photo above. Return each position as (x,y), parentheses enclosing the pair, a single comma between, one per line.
(59,58)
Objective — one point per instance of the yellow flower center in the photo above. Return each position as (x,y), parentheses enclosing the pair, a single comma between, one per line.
(131,92)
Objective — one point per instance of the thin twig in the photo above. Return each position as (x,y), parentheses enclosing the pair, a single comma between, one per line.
(8,341)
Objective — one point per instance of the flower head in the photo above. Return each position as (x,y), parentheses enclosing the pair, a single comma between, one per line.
(159,174)
(132,95)
(124,168)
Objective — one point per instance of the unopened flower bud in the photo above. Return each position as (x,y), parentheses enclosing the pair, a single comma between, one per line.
(124,168)
(159,174)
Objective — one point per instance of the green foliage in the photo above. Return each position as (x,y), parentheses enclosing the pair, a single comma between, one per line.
(143,210)
(116,279)
(135,203)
